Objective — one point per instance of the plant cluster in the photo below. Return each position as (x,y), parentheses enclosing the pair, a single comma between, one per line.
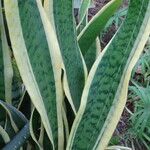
(57,90)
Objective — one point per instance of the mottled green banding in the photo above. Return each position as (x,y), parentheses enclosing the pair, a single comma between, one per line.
(2,84)
(39,55)
(90,56)
(107,78)
(66,33)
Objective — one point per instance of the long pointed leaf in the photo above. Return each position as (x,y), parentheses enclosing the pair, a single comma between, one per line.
(73,63)
(105,92)
(36,49)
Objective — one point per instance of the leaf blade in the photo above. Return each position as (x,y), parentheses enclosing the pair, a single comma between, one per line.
(96,25)
(111,88)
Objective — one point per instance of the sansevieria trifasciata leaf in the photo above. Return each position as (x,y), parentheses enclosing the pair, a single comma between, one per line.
(105,92)
(73,64)
(36,51)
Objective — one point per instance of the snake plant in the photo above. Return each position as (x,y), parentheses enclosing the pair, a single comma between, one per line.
(68,107)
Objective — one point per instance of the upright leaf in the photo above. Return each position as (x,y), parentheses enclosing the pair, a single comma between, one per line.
(36,51)
(73,63)
(105,92)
